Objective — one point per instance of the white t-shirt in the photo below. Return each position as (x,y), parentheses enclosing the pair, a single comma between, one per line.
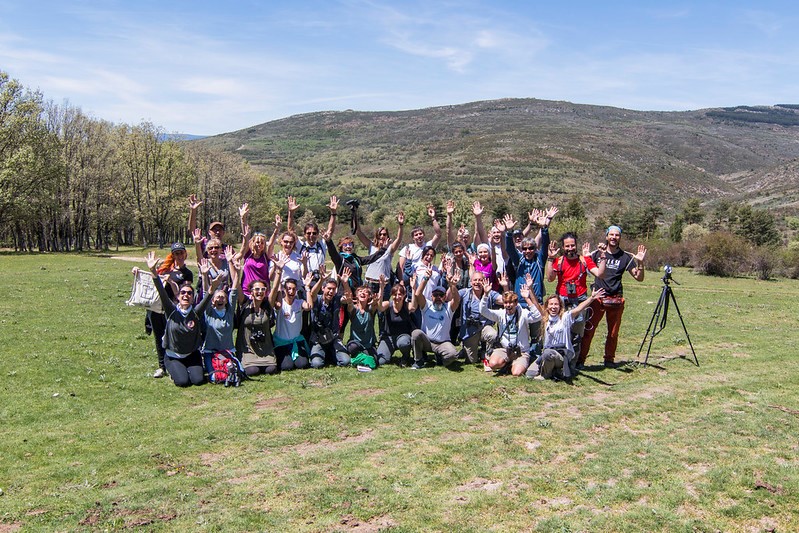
(557,333)
(436,323)
(416,252)
(289,320)
(316,253)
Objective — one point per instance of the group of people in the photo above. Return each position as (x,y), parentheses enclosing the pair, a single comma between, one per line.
(484,301)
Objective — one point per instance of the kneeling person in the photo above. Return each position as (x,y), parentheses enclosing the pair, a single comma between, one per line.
(513,336)
(437,316)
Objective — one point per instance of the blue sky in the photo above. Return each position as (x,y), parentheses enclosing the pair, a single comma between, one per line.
(211,67)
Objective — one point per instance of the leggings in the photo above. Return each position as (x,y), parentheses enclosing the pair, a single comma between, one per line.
(186,371)
(285,361)
(158,323)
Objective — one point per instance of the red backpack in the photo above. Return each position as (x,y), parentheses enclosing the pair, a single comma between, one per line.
(225,368)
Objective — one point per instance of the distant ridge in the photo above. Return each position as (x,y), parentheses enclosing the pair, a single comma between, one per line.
(547,150)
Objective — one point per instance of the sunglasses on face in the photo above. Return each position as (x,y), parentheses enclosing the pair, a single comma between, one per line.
(258,289)
(528,249)
(288,243)
(213,248)
(312,233)
(383,234)
(186,293)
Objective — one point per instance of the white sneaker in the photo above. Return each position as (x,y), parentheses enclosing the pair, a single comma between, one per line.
(363,368)
(159,373)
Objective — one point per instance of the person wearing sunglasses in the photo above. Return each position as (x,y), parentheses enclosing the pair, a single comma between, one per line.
(176,273)
(311,243)
(255,252)
(183,336)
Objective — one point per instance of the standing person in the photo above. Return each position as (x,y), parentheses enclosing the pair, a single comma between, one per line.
(295,265)
(325,336)
(176,274)
(398,326)
(529,255)
(215,253)
(475,327)
(312,245)
(219,316)
(382,265)
(558,357)
(612,304)
(513,323)
(436,320)
(216,229)
(411,253)
(255,252)
(183,338)
(572,271)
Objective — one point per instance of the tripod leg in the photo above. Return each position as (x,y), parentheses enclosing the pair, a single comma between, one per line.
(655,320)
(673,299)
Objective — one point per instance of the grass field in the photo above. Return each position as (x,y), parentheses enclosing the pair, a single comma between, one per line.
(90,441)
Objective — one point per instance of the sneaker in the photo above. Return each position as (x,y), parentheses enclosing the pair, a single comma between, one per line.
(363,368)
(611,364)
(418,365)
(159,373)
(538,377)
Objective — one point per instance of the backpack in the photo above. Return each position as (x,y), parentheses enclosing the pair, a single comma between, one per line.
(225,368)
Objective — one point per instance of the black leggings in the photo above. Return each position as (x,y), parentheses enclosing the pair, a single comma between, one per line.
(158,323)
(255,370)
(285,361)
(186,371)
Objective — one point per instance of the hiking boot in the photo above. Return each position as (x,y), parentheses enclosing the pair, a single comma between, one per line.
(159,373)
(611,364)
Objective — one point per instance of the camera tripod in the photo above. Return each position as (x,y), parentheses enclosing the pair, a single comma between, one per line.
(660,317)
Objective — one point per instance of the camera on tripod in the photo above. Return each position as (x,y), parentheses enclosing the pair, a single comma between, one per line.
(353,204)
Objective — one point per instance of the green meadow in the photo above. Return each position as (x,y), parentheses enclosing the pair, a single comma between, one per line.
(91,442)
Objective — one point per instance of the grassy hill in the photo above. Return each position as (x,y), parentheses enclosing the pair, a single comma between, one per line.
(544,151)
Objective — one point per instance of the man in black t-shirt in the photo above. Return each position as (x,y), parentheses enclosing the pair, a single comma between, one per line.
(612,304)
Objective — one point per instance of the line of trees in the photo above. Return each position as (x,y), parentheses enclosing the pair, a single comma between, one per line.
(72,182)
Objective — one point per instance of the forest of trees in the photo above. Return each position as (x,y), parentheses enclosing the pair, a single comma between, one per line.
(72,182)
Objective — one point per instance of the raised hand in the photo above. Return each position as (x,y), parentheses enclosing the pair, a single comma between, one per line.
(230,252)
(532,216)
(204,265)
(524,291)
(217,281)
(528,281)
(197,234)
(235,264)
(472,256)
(292,204)
(308,279)
(486,283)
(345,275)
(280,260)
(502,278)
(326,235)
(553,249)
(333,205)
(509,222)
(194,203)
(477,209)
(244,210)
(455,277)
(323,273)
(641,254)
(401,218)
(431,211)
(278,222)
(450,207)
(152,261)
(586,248)
(551,212)
(462,231)
(304,257)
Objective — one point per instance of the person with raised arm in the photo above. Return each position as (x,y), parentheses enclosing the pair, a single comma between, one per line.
(183,335)
(291,347)
(255,252)
(436,320)
(362,308)
(254,341)
(558,358)
(611,304)
(571,272)
(382,265)
(411,253)
(216,229)
(475,328)
(512,344)
(219,317)
(397,328)
(325,336)
(311,244)
(176,273)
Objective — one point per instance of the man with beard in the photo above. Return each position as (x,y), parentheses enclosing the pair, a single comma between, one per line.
(436,319)
(612,304)
(571,271)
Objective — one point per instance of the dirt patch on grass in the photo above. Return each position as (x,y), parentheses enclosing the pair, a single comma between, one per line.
(141,518)
(305,449)
(271,403)
(10,527)
(213,458)
(480,483)
(374,524)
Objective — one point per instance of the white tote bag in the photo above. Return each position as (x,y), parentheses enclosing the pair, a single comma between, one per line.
(143,293)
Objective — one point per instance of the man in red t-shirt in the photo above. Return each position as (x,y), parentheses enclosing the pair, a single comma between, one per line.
(571,271)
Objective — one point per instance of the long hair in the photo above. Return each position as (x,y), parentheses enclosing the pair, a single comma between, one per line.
(166,266)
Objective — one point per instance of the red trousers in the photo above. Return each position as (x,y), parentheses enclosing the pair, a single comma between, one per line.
(613,318)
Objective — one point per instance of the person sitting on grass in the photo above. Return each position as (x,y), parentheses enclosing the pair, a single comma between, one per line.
(436,320)
(219,316)
(513,323)
(325,337)
(254,342)
(362,308)
(398,326)
(291,347)
(558,358)
(183,336)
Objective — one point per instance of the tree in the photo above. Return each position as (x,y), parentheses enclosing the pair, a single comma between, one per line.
(692,212)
